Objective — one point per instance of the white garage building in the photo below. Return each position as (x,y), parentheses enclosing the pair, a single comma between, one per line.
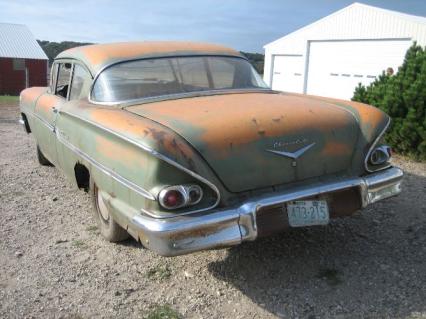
(331,56)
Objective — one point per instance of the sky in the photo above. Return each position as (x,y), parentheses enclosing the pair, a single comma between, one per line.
(245,25)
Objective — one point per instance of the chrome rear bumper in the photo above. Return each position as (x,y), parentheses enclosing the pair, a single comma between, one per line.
(227,227)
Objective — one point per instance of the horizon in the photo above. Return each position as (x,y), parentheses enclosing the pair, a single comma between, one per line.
(245,25)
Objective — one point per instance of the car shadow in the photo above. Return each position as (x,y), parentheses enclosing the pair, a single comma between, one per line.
(369,265)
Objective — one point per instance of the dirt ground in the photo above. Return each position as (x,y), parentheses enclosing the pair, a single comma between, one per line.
(54,264)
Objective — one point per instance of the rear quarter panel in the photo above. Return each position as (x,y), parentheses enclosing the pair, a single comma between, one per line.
(107,141)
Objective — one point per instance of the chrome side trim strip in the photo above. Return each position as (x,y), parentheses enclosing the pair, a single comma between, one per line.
(42,120)
(372,148)
(105,169)
(157,155)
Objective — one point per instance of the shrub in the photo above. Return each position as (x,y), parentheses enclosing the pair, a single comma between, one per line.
(403,97)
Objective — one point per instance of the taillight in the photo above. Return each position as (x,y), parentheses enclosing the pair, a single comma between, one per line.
(195,193)
(174,197)
(380,155)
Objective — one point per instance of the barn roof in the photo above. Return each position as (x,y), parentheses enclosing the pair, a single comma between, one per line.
(17,41)
(97,56)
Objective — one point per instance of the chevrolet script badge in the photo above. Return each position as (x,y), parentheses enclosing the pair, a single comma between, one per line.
(293,155)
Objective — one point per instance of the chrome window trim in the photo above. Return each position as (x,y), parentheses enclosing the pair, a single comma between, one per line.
(372,148)
(70,81)
(181,96)
(168,96)
(105,169)
(59,62)
(42,120)
(159,156)
(52,86)
(73,62)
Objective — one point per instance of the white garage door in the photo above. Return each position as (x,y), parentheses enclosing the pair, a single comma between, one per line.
(336,67)
(288,73)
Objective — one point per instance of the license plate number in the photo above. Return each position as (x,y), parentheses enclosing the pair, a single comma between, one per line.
(307,213)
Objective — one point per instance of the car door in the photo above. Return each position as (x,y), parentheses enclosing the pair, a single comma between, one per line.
(67,129)
(47,107)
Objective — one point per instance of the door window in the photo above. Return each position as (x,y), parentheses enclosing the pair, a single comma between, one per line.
(63,82)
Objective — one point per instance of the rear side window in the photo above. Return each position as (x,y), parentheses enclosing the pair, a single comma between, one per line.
(53,77)
(79,80)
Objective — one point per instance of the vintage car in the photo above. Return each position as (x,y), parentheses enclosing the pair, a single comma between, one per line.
(184,147)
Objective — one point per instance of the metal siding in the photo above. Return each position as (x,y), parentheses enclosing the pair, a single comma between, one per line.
(13,82)
(288,73)
(355,22)
(17,41)
(336,67)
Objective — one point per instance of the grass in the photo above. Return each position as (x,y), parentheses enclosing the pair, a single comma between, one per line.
(79,244)
(92,228)
(9,99)
(159,272)
(163,312)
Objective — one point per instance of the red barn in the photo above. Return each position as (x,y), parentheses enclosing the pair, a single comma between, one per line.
(22,61)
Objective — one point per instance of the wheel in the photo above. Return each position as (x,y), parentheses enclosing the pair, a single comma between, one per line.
(108,227)
(41,159)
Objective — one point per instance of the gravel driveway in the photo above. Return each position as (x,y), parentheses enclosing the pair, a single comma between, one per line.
(54,264)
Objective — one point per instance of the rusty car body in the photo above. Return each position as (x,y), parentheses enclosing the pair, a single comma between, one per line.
(184,148)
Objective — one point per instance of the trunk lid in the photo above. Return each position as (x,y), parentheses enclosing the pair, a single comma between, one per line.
(256,140)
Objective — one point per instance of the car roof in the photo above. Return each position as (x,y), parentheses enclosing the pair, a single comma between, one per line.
(98,56)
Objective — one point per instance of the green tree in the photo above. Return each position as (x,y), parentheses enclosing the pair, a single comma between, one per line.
(52,49)
(403,97)
(256,59)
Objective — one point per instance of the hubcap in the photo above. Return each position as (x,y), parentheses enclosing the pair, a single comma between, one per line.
(103,209)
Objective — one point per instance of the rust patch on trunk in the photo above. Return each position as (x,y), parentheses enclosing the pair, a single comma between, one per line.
(237,125)
(336,149)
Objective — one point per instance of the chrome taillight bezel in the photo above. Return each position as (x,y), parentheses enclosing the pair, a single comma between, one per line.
(370,168)
(184,191)
(380,155)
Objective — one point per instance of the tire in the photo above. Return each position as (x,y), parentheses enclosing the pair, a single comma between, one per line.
(108,227)
(41,159)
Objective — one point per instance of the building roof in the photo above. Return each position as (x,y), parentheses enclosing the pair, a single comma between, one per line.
(98,56)
(417,21)
(17,41)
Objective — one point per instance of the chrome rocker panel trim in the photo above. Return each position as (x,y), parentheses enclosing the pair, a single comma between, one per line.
(232,226)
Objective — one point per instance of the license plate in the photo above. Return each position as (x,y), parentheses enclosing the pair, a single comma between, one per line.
(307,213)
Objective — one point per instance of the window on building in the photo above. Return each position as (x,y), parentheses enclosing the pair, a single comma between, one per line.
(18,64)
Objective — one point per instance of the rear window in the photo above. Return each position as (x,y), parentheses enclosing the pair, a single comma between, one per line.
(166,76)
